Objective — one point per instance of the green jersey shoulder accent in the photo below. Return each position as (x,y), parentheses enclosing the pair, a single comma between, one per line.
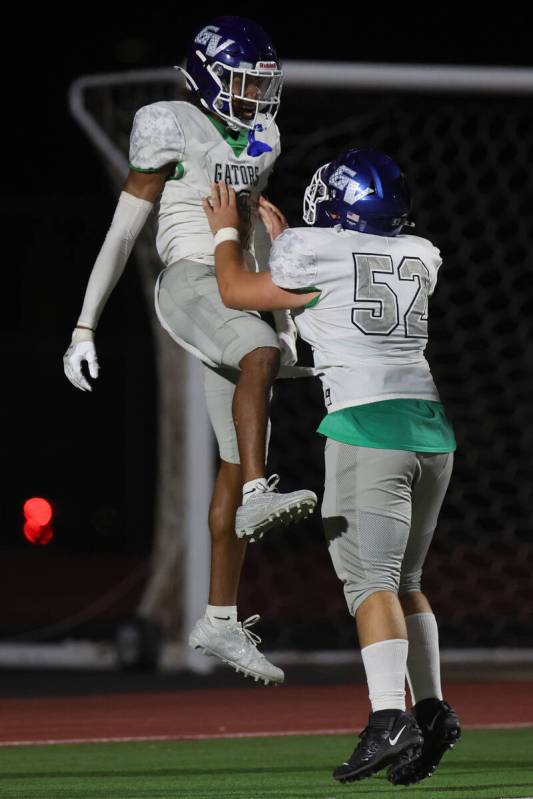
(238,141)
(178,172)
(139,169)
(408,424)
(177,175)
(313,301)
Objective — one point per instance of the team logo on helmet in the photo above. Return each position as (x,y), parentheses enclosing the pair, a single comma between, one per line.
(343,179)
(362,190)
(211,39)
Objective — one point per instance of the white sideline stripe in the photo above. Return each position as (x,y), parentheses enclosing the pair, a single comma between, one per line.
(228,735)
(101,655)
(498,656)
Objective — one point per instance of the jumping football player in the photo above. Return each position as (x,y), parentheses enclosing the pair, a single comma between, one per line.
(226,132)
(359,289)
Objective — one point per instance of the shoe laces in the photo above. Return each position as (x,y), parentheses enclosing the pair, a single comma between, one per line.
(369,742)
(252,637)
(271,485)
(376,728)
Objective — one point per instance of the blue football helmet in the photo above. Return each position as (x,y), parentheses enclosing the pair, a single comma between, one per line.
(233,69)
(362,190)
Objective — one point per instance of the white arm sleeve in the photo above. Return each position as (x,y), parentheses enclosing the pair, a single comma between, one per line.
(130,216)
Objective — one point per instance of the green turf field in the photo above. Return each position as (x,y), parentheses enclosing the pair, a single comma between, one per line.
(485,765)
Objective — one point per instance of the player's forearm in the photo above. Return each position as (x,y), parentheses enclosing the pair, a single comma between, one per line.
(230,268)
(245,290)
(129,218)
(262,246)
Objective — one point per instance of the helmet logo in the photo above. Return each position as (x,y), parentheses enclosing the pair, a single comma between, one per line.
(208,36)
(266,65)
(343,179)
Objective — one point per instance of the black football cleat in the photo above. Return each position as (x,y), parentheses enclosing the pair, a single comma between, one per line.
(441,731)
(390,734)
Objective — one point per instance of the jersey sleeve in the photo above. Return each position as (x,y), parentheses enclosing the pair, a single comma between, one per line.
(156,138)
(293,264)
(436,262)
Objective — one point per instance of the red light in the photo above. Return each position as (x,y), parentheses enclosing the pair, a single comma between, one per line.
(38,515)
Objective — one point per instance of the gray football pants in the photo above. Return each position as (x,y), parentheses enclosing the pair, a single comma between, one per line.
(380,511)
(189,307)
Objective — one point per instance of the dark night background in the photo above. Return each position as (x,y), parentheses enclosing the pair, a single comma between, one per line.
(94,455)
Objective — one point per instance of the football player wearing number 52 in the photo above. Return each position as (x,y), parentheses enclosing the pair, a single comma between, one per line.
(359,289)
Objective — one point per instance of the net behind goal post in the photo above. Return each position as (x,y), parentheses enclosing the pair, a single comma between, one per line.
(465,138)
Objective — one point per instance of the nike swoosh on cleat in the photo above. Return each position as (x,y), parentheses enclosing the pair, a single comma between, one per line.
(394,741)
(430,726)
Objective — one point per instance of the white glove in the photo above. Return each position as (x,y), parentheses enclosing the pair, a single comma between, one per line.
(81,349)
(287,335)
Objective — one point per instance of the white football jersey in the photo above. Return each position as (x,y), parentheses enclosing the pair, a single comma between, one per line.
(167,132)
(368,329)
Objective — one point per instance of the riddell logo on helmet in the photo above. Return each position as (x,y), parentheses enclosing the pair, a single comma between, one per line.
(210,37)
(266,65)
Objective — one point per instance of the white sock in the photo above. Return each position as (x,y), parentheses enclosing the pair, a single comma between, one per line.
(423,662)
(251,487)
(221,615)
(385,664)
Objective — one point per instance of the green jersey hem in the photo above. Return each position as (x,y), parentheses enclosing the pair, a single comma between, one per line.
(140,169)
(407,424)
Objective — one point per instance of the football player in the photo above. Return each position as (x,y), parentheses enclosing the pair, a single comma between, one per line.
(359,290)
(225,132)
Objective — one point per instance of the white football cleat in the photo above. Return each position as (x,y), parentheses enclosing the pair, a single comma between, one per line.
(266,508)
(236,645)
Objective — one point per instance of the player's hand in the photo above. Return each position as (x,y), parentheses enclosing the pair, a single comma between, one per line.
(221,207)
(81,351)
(272,218)
(287,335)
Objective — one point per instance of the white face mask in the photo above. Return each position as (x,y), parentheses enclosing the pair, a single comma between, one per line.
(315,193)
(247,92)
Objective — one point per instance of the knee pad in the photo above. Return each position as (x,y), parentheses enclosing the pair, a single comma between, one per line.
(367,553)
